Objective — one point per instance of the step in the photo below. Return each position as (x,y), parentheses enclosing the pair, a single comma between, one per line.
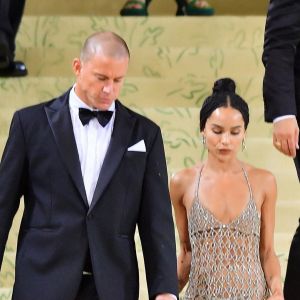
(155,61)
(218,32)
(7,274)
(185,139)
(187,135)
(5,293)
(175,135)
(186,156)
(163,100)
(167,118)
(282,242)
(166,7)
(189,91)
(287,215)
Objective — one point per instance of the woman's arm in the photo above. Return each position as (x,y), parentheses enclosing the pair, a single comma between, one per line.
(177,189)
(269,260)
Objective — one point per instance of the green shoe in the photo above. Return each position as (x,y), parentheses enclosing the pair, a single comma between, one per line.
(128,10)
(189,8)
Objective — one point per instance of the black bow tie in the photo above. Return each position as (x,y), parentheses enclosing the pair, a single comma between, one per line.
(103,117)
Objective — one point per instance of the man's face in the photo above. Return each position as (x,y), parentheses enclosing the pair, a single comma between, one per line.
(99,79)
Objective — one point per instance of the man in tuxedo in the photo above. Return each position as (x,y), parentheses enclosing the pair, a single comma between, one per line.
(281,90)
(11,12)
(90,171)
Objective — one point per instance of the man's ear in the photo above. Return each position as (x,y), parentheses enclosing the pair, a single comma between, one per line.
(76,66)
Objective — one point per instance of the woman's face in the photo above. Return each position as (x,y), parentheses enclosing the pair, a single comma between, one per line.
(224,132)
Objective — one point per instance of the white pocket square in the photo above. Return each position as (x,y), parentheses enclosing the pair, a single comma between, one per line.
(138,147)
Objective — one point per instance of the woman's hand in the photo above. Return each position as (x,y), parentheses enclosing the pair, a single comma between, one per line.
(276,296)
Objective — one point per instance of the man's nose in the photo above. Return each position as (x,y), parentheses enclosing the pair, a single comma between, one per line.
(107,88)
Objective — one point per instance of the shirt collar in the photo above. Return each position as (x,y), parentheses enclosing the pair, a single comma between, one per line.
(75,102)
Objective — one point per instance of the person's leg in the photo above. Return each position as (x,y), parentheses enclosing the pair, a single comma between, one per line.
(5,32)
(11,12)
(135,8)
(292,278)
(193,8)
(297,96)
(87,290)
(15,15)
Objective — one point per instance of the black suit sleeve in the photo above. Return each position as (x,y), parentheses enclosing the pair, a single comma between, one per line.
(280,57)
(156,226)
(11,179)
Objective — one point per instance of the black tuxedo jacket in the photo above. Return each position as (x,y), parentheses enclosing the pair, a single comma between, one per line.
(41,163)
(281,58)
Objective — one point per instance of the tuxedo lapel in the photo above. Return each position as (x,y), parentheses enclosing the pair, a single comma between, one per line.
(58,114)
(123,126)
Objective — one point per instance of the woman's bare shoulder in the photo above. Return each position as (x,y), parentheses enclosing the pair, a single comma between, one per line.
(261,177)
(185,177)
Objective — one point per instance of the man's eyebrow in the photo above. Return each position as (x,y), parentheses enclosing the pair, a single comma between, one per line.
(102,75)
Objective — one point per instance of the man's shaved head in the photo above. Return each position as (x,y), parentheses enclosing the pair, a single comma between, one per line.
(101,69)
(106,43)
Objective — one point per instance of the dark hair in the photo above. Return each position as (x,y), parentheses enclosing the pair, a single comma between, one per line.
(223,95)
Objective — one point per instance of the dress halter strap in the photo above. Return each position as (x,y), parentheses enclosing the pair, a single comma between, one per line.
(248,183)
(245,175)
(198,182)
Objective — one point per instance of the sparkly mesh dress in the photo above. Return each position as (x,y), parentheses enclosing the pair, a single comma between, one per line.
(225,257)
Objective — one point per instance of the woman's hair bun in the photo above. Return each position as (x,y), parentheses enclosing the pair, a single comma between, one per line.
(224,85)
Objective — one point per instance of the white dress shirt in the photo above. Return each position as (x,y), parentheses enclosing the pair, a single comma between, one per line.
(92,142)
(283,118)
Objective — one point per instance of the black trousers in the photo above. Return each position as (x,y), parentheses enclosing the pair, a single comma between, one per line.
(11,12)
(87,290)
(292,279)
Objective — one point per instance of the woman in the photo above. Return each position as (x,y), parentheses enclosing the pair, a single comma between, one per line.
(225,211)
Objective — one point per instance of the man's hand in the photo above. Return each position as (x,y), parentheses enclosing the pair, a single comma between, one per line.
(286,136)
(165,297)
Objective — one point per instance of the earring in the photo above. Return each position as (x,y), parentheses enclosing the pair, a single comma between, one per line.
(243,144)
(203,140)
